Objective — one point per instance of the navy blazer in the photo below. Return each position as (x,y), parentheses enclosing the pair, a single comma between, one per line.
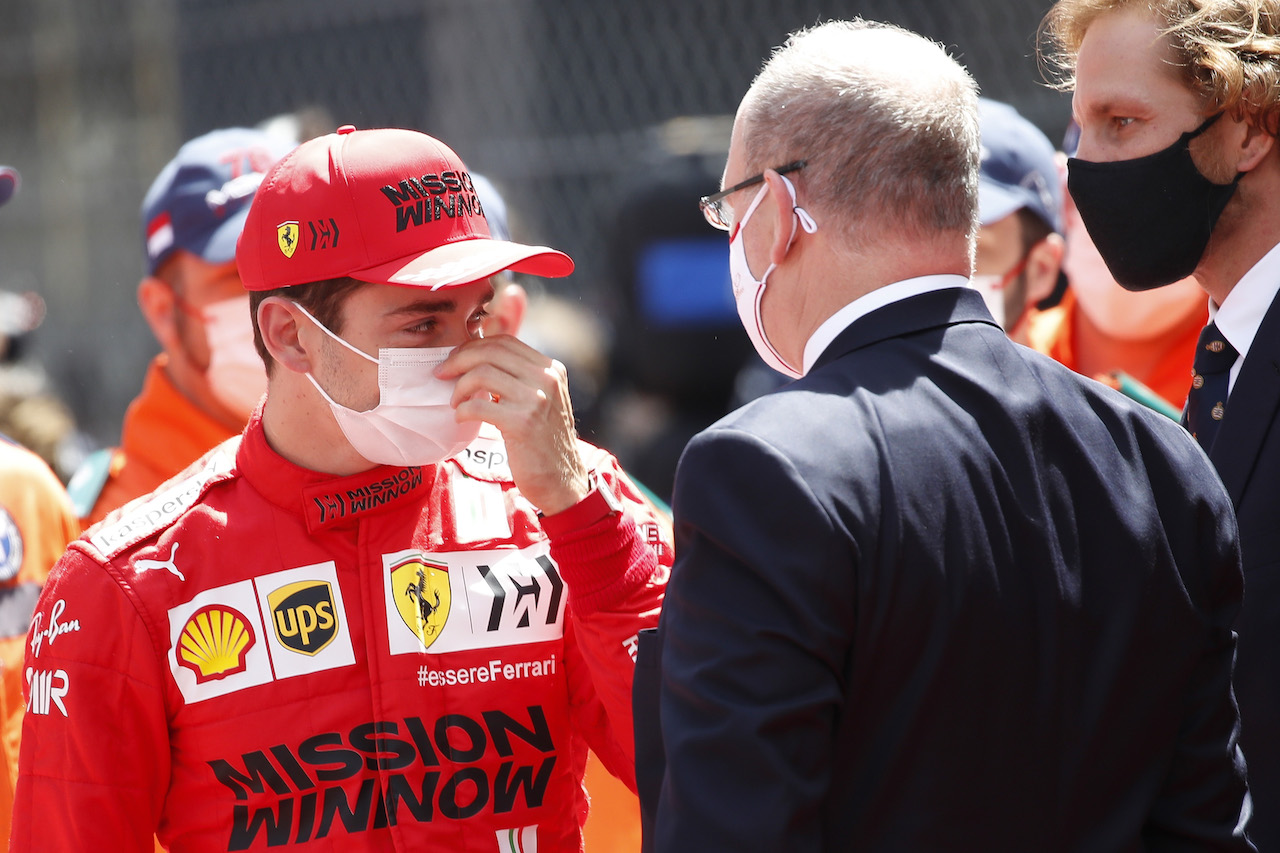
(1246,452)
(943,594)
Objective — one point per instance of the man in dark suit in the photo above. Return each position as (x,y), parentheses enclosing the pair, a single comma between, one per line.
(1178,173)
(939,593)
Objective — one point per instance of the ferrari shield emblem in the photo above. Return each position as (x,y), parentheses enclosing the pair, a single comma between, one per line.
(421,589)
(287,237)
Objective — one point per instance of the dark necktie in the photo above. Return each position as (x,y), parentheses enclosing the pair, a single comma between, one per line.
(1210,376)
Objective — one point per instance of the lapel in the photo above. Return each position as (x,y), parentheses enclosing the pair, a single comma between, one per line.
(1251,408)
(932,310)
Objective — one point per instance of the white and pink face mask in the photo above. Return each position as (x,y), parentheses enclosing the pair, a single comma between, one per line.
(413,423)
(748,291)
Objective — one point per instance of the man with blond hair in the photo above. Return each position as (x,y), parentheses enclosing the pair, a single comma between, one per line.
(1178,173)
(939,592)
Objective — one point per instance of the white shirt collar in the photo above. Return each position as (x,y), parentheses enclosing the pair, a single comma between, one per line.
(1241,313)
(863,305)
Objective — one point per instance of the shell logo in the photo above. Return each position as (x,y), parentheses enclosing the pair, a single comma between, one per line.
(215,642)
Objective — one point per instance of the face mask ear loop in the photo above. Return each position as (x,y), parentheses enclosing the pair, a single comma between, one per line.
(806,221)
(1205,125)
(322,328)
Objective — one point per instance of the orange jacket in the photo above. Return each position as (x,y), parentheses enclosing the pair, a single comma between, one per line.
(163,433)
(36,523)
(1053,333)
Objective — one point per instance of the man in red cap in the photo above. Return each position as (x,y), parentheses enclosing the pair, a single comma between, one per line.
(367,623)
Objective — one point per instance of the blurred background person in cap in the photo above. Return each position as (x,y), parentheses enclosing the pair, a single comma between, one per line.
(202,386)
(1020,242)
(1141,342)
(36,523)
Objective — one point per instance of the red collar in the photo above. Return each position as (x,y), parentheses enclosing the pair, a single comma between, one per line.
(323,499)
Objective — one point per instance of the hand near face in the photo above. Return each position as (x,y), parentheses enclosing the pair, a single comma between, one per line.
(525,395)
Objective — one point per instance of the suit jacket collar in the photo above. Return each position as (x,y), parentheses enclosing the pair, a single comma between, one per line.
(1251,408)
(908,316)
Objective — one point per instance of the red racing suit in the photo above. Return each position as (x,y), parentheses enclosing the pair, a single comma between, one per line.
(258,656)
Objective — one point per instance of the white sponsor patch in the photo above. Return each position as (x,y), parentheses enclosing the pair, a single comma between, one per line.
(46,690)
(161,509)
(217,644)
(309,631)
(494,598)
(519,839)
(486,457)
(41,633)
(288,623)
(479,510)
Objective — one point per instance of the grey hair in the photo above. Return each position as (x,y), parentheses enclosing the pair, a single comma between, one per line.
(886,120)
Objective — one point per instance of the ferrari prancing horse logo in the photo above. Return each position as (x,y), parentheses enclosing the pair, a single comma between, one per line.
(421,590)
(287,237)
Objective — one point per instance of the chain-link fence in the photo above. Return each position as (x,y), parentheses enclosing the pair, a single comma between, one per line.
(566,104)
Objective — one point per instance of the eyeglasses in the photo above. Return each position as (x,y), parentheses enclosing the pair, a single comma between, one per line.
(714,208)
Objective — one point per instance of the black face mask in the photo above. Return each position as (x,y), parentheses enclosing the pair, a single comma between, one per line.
(1150,217)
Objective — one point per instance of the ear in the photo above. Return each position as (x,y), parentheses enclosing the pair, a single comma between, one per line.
(1255,145)
(1043,262)
(507,311)
(280,334)
(782,215)
(158,305)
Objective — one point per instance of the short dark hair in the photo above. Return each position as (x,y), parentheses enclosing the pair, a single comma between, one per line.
(1033,229)
(322,299)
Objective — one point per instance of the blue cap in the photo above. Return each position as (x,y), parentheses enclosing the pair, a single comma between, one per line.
(199,201)
(9,183)
(1018,168)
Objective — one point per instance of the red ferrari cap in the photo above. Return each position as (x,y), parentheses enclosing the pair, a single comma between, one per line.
(387,206)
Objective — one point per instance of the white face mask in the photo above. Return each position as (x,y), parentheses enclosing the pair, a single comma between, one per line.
(747,291)
(413,423)
(236,375)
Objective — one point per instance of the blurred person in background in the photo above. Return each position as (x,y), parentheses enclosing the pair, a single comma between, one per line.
(1141,342)
(201,388)
(31,413)
(675,310)
(1177,174)
(1020,243)
(36,523)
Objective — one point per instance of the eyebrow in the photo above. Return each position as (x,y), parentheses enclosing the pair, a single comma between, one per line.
(436,305)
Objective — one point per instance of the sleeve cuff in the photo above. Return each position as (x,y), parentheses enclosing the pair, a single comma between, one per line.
(598,550)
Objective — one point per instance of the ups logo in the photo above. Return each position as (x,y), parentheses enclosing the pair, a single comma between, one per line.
(302,615)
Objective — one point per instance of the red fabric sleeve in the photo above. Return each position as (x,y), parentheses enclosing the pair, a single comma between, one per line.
(94,763)
(615,566)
